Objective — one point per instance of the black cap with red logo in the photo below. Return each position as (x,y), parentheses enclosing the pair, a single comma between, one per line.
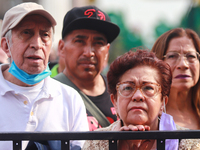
(92,18)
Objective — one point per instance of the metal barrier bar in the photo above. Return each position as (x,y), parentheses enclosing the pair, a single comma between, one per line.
(112,136)
(101,135)
(65,145)
(161,144)
(17,145)
(112,144)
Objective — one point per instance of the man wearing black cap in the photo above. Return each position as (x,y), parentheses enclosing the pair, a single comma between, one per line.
(86,37)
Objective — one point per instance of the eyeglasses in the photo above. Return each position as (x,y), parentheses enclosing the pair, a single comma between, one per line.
(173,57)
(128,89)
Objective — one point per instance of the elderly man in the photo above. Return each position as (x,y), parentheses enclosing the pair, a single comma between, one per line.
(86,37)
(29,99)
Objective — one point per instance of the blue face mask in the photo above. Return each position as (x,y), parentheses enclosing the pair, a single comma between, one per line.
(27,78)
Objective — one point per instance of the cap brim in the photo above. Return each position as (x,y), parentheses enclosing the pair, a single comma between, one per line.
(35,12)
(110,30)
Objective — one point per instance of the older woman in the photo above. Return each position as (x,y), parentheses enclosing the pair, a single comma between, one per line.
(180,49)
(139,85)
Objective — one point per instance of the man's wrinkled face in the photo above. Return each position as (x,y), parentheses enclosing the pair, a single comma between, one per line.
(85,52)
(31,44)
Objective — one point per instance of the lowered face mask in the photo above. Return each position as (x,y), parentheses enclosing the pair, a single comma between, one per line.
(27,78)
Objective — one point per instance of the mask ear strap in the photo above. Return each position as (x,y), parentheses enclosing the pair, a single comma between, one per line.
(163,109)
(9,49)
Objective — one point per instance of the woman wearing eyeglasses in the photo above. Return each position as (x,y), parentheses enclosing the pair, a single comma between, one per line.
(180,49)
(139,85)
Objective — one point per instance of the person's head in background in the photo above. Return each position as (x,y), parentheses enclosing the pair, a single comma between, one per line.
(180,48)
(57,63)
(26,38)
(53,57)
(86,37)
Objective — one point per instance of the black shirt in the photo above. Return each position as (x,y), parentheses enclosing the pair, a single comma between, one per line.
(104,103)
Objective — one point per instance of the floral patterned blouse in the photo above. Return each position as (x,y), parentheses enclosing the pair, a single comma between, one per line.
(188,144)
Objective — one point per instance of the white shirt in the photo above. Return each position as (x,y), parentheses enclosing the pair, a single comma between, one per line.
(58,108)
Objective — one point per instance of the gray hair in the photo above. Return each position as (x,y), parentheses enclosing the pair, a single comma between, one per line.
(8,37)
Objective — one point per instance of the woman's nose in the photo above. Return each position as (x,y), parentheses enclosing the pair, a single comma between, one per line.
(182,63)
(138,96)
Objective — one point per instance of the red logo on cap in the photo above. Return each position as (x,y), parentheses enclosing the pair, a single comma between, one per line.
(90,12)
(101,15)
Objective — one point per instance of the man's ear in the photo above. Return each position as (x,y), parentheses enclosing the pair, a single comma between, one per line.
(61,45)
(106,57)
(5,47)
(108,47)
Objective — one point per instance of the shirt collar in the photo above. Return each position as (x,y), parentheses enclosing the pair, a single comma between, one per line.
(48,90)
(4,86)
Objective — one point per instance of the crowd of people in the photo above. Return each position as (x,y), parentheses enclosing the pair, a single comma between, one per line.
(143,90)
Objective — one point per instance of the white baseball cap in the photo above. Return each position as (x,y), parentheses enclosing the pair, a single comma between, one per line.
(15,14)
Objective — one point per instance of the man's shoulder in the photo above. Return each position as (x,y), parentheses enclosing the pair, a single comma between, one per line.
(59,86)
(65,92)
(60,77)
(104,79)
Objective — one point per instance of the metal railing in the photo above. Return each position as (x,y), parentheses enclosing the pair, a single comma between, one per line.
(112,136)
